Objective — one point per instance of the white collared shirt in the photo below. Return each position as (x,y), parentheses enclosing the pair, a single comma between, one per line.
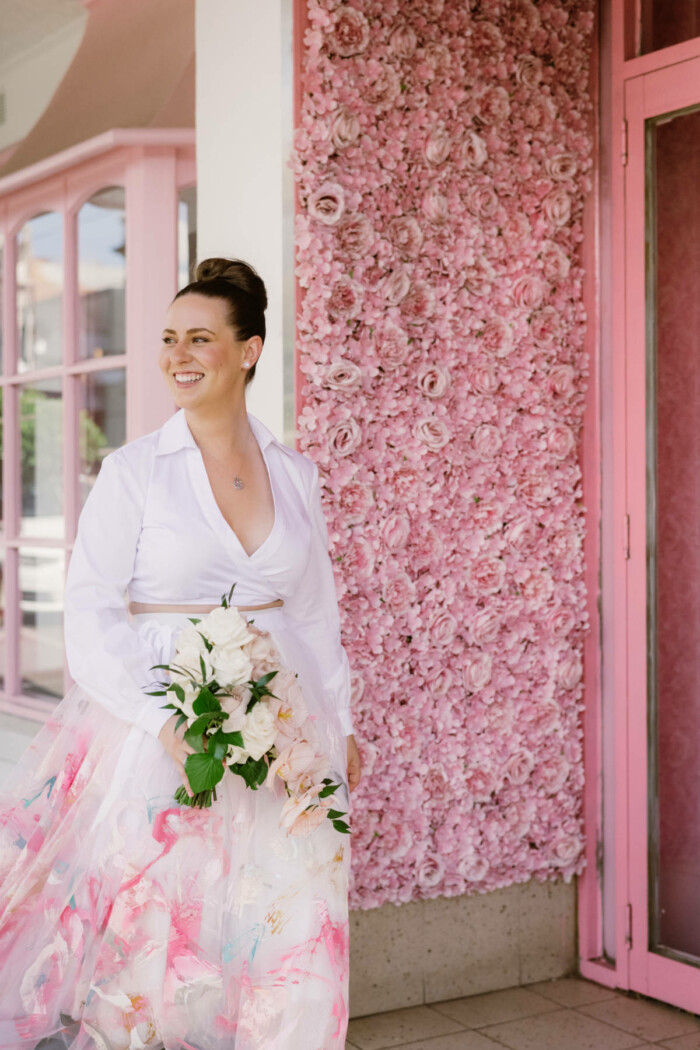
(151,529)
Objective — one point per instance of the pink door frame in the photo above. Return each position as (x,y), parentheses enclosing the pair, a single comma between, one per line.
(640,87)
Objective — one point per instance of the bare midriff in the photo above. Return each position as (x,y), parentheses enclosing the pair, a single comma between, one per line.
(146,607)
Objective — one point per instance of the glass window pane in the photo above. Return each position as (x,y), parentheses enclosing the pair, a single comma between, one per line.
(102,274)
(674,506)
(187,235)
(102,422)
(667,22)
(41,658)
(39,291)
(41,442)
(2,272)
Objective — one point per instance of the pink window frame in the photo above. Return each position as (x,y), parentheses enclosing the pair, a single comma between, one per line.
(153,165)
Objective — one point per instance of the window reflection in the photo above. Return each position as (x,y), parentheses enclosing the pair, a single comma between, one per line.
(41,577)
(102,422)
(41,450)
(187,235)
(102,274)
(39,291)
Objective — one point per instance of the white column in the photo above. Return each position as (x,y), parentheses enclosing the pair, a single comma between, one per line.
(244,107)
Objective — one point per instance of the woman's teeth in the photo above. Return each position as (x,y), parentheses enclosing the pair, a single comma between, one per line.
(187,378)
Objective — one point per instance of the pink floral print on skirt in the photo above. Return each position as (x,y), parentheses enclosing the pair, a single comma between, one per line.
(127,922)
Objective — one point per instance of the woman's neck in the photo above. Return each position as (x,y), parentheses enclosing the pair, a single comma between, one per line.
(223,433)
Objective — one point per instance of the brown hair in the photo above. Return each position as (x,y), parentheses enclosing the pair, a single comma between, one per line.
(242,288)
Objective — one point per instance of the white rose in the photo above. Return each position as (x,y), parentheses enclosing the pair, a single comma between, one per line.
(231,665)
(259,731)
(236,755)
(190,636)
(225,627)
(188,659)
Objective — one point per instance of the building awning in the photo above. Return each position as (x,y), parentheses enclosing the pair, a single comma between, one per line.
(134,69)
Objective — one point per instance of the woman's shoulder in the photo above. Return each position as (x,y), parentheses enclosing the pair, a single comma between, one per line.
(132,462)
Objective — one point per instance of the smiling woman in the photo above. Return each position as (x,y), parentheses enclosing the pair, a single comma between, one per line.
(217,927)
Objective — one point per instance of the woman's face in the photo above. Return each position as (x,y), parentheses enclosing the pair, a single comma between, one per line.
(200,357)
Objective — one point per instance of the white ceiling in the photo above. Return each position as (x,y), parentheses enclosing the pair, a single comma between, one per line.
(25,23)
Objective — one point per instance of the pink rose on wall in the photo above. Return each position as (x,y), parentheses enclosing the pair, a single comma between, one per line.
(344,437)
(477,672)
(343,375)
(355,235)
(345,299)
(405,233)
(494,106)
(350,32)
(392,346)
(403,41)
(442,156)
(497,337)
(435,207)
(354,502)
(433,433)
(433,381)
(399,592)
(327,203)
(345,128)
(486,574)
(396,530)
(395,286)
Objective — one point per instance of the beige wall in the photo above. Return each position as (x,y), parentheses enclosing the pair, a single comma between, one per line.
(243,120)
(446,948)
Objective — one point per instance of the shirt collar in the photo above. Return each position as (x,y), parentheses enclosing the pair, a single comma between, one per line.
(175,434)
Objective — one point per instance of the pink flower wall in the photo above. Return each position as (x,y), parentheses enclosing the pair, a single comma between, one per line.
(442,156)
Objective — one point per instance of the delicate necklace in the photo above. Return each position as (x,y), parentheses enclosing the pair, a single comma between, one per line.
(238,482)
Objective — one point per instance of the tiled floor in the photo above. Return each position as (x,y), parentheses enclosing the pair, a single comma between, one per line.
(568,1014)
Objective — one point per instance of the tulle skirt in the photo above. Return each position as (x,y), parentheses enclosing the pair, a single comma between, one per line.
(129,922)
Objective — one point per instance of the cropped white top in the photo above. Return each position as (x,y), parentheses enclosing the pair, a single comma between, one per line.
(152,530)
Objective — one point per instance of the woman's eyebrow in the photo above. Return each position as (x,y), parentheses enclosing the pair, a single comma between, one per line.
(171,331)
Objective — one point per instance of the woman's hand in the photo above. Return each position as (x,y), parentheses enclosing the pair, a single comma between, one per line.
(177,748)
(354,764)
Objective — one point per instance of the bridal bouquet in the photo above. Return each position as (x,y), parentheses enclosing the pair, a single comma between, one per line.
(219,685)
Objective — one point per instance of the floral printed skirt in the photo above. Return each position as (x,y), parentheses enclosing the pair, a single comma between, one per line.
(129,922)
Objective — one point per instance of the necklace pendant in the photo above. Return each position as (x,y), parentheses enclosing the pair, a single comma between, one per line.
(238,483)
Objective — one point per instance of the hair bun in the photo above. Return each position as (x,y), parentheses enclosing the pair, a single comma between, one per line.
(237,273)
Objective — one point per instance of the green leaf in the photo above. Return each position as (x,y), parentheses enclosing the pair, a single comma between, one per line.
(334,813)
(158,692)
(339,825)
(254,772)
(208,645)
(169,707)
(235,739)
(205,702)
(217,746)
(202,723)
(195,740)
(194,619)
(264,679)
(203,772)
(328,790)
(178,690)
(181,719)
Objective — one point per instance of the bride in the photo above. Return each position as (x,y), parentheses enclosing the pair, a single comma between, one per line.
(127,921)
